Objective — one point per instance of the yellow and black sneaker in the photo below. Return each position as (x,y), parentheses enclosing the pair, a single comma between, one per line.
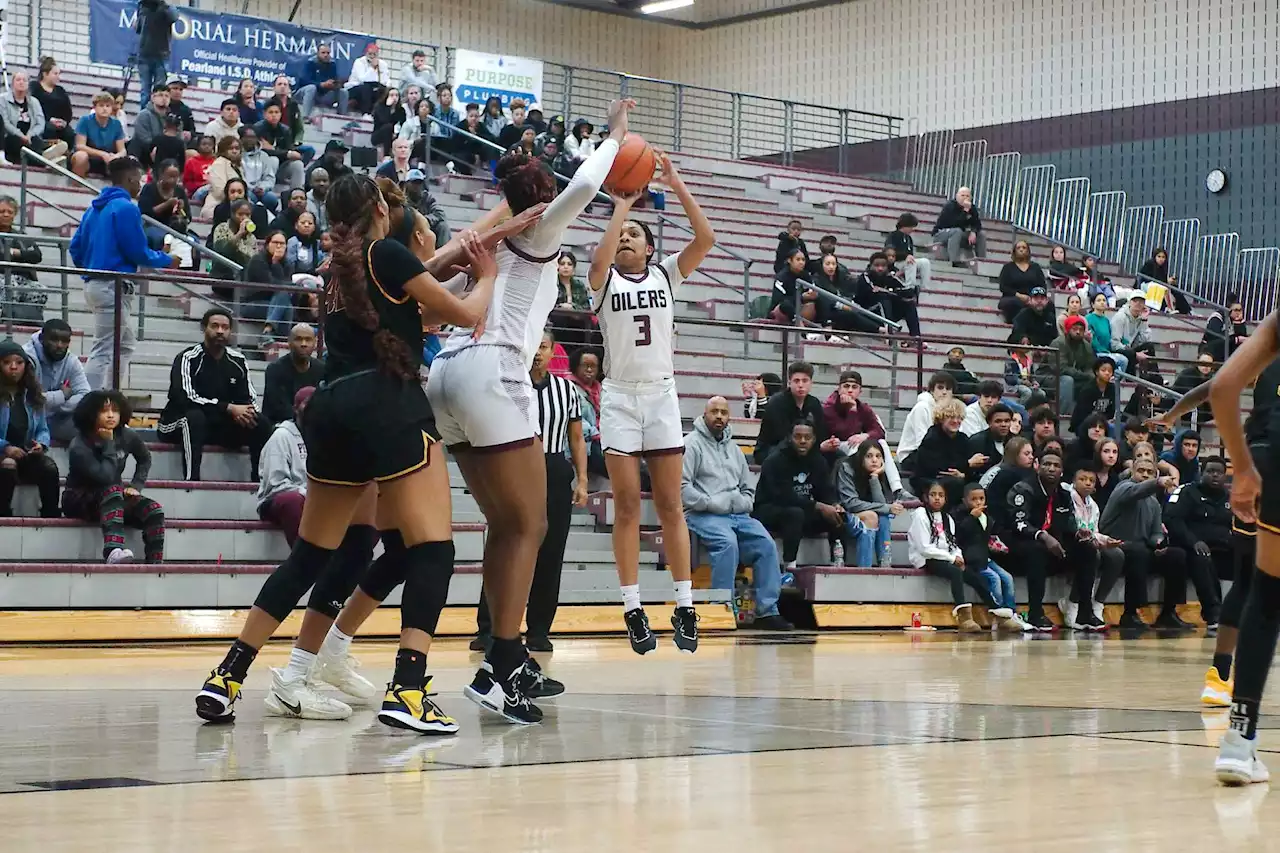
(412,708)
(215,699)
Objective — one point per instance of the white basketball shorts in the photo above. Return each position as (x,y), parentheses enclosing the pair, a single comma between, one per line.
(482,398)
(640,419)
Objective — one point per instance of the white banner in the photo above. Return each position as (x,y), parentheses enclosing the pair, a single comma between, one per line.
(480,76)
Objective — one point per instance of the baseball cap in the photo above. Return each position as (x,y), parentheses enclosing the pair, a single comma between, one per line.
(414,175)
(176,81)
(160,87)
(303,395)
(336,145)
(1039,291)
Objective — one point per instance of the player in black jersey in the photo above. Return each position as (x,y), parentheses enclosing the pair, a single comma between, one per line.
(371,442)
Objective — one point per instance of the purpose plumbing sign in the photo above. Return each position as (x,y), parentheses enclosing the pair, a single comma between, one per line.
(480,76)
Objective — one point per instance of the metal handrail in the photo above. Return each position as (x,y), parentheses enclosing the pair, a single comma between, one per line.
(1194,297)
(849,303)
(147,218)
(663,219)
(174,278)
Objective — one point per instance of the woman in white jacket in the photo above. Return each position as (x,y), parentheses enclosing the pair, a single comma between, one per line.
(931,545)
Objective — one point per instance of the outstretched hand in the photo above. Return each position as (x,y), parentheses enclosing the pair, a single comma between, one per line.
(624,201)
(518,224)
(667,175)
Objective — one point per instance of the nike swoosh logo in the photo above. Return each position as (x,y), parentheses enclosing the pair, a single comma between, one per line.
(296,710)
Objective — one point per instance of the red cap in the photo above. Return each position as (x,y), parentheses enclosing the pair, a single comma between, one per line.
(1073,320)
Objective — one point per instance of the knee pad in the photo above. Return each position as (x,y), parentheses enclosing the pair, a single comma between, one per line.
(388,571)
(282,591)
(344,571)
(429,567)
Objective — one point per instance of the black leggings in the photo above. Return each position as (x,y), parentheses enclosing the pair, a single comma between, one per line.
(958,577)
(901,311)
(1233,602)
(36,469)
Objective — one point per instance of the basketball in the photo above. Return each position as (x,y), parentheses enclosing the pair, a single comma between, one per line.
(633,167)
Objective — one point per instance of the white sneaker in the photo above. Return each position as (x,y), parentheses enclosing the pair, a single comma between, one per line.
(1001,612)
(56,153)
(1026,626)
(120,555)
(1238,762)
(814,336)
(1098,611)
(341,673)
(1069,609)
(299,699)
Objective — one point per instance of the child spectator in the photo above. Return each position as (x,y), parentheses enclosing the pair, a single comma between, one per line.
(1096,397)
(1111,564)
(966,382)
(870,504)
(1019,376)
(196,170)
(973,537)
(932,546)
(789,242)
(94,491)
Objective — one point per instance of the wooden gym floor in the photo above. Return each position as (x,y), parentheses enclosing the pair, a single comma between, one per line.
(839,742)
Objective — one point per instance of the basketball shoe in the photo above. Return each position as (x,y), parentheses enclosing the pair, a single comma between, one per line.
(296,698)
(537,684)
(1216,693)
(506,698)
(638,631)
(1238,762)
(412,708)
(215,700)
(685,622)
(340,671)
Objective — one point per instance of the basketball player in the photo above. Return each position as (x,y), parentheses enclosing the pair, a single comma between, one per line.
(1257,430)
(370,434)
(639,409)
(483,399)
(1255,498)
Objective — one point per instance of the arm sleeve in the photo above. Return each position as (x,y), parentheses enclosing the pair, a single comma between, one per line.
(141,459)
(847,492)
(766,437)
(875,432)
(79,386)
(93,465)
(182,389)
(691,495)
(746,492)
(1007,286)
(29,253)
(545,237)
(132,241)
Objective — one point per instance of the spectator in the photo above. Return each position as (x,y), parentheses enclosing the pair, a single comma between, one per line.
(1156,269)
(571,290)
(470,152)
(414,133)
(319,181)
(169,145)
(916,271)
(1017,464)
(211,399)
(943,456)
(1020,380)
(786,408)
(973,535)
(849,419)
(718,498)
(966,382)
(1184,455)
(1075,308)
(24,433)
(1015,425)
(1096,397)
(99,139)
(118,112)
(1190,377)
(319,83)
(287,221)
(494,119)
(1093,429)
(154,26)
(186,120)
(165,201)
(1076,358)
(513,133)
(555,131)
(62,378)
(1217,334)
(794,496)
(757,393)
(1100,332)
(834,278)
(579,145)
(1036,322)
(227,125)
(1017,279)
(535,118)
(110,238)
(234,240)
(442,135)
(1199,520)
(417,73)
(247,103)
(1133,516)
(1061,272)
(1131,332)
(932,546)
(959,227)
(789,242)
(276,138)
(303,251)
(388,117)
(789,297)
(290,373)
(412,97)
(975,414)
(415,193)
(370,78)
(59,123)
(95,492)
(920,418)
(870,504)
(333,161)
(283,490)
(274,307)
(991,441)
(1043,537)
(22,119)
(1110,557)
(24,299)
(226,167)
(397,167)
(291,116)
(898,302)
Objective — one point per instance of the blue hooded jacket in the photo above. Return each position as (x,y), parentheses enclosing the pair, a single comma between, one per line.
(1188,469)
(110,236)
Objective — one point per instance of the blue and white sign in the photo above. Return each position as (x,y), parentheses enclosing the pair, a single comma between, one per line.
(481,76)
(219,46)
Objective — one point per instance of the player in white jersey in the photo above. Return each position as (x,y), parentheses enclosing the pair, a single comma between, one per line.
(487,414)
(639,409)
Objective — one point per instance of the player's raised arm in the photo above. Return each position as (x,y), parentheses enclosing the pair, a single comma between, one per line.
(704,237)
(603,256)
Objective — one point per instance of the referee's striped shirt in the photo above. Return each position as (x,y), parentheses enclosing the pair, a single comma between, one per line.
(558,406)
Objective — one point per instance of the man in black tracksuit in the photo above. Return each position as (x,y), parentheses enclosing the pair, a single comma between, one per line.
(1044,539)
(1198,518)
(211,399)
(794,496)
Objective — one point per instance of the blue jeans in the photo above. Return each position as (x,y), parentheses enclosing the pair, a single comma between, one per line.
(277,312)
(1001,584)
(150,72)
(269,200)
(739,537)
(869,544)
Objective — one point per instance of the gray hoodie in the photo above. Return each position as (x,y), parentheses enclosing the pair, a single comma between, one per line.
(11,112)
(715,473)
(283,463)
(1133,513)
(1128,333)
(58,404)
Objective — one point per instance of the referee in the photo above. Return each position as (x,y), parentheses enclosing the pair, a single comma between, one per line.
(560,418)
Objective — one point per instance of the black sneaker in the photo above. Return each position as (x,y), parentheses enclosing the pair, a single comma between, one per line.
(685,622)
(537,684)
(772,623)
(1042,623)
(481,643)
(538,643)
(638,631)
(1170,621)
(506,699)
(1088,621)
(1133,622)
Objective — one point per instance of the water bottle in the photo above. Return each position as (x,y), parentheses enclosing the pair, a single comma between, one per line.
(837,554)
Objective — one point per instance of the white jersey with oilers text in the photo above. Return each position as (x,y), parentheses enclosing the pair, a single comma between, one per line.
(637,320)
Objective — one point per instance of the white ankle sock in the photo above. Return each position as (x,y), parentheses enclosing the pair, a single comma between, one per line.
(630,597)
(299,664)
(790,567)
(684,593)
(338,643)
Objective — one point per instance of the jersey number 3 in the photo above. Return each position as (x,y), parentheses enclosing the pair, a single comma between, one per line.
(645,332)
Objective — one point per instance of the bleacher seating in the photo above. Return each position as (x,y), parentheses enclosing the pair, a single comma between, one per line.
(220,550)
